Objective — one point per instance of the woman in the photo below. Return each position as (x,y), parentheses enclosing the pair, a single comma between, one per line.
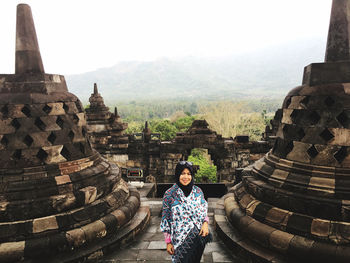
(184,217)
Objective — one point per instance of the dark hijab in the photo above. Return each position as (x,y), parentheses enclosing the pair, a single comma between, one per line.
(187,189)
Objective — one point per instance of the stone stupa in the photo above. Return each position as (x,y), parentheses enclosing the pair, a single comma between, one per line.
(105,128)
(59,199)
(293,205)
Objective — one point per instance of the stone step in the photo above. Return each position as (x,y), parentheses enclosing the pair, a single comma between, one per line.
(150,246)
(124,235)
(155,205)
(247,250)
(211,204)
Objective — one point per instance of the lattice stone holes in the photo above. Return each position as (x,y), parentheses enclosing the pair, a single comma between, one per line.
(4,141)
(28,140)
(326,135)
(314,118)
(40,124)
(294,115)
(17,154)
(42,155)
(26,111)
(78,105)
(83,131)
(75,119)
(312,151)
(65,153)
(65,107)
(285,129)
(59,122)
(293,132)
(341,154)
(305,101)
(289,147)
(47,109)
(52,137)
(5,111)
(15,124)
(343,119)
(288,102)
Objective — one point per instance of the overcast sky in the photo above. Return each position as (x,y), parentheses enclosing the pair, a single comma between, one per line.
(77,36)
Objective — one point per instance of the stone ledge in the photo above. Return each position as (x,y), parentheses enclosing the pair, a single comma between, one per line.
(63,202)
(71,219)
(255,237)
(76,239)
(325,73)
(124,235)
(238,244)
(334,232)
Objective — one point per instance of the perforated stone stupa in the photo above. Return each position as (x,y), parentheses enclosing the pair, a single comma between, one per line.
(294,204)
(58,197)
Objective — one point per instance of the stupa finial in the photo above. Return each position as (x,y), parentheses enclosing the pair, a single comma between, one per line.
(338,43)
(28,58)
(95,89)
(115,111)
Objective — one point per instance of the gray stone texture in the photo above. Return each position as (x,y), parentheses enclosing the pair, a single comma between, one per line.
(28,58)
(57,194)
(159,158)
(338,45)
(293,203)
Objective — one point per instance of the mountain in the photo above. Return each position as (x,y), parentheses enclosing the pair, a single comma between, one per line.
(265,72)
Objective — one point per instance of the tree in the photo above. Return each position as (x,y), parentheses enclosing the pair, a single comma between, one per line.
(206,171)
(165,128)
(230,119)
(184,123)
(134,127)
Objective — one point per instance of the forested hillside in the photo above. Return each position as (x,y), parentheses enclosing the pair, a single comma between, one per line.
(228,118)
(267,72)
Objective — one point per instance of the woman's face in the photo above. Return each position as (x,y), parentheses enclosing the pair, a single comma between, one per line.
(185,177)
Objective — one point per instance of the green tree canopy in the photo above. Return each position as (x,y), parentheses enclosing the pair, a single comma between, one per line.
(206,170)
(166,129)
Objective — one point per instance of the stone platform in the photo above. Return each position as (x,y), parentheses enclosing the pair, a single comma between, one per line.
(150,247)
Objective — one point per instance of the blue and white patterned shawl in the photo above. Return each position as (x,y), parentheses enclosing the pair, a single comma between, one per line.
(181,213)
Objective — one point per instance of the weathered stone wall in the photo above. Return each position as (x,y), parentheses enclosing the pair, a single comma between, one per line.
(159,158)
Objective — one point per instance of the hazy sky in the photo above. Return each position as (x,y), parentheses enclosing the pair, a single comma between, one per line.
(76,36)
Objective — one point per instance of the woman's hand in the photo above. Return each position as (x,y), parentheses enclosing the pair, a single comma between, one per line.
(204,229)
(170,248)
